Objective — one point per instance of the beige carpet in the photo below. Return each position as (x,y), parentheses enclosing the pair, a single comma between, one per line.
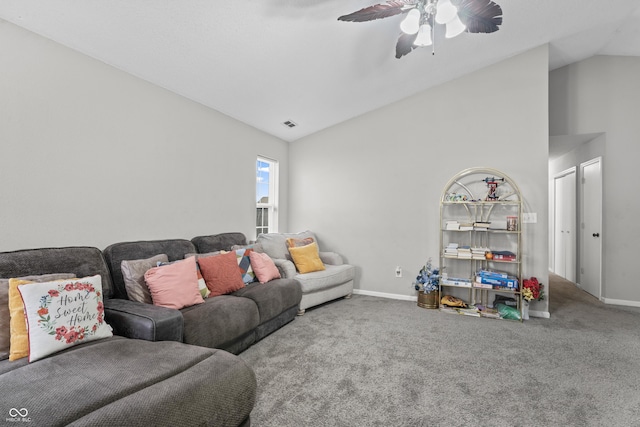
(376,362)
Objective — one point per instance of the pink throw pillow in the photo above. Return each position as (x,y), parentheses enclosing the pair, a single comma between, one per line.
(263,267)
(174,285)
(221,273)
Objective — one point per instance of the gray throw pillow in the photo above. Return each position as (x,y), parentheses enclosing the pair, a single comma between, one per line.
(5,317)
(133,275)
(275,244)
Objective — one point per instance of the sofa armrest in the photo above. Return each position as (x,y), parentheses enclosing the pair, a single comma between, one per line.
(149,322)
(331,258)
(287,268)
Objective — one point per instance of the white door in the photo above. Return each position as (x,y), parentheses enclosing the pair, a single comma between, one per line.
(564,225)
(591,236)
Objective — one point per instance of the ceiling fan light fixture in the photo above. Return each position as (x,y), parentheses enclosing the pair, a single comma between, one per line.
(424,36)
(422,17)
(445,12)
(411,24)
(455,27)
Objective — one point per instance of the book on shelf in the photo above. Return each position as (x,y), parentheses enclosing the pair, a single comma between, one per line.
(510,283)
(476,284)
(454,281)
(481,225)
(479,253)
(496,278)
(445,309)
(491,313)
(466,227)
(471,311)
(452,225)
(492,273)
(504,255)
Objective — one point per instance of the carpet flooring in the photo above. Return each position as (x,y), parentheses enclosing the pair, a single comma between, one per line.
(371,361)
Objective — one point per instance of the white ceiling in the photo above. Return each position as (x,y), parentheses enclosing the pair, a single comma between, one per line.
(267,61)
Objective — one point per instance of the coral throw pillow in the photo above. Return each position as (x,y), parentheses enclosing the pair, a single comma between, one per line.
(174,285)
(221,273)
(306,258)
(63,314)
(263,267)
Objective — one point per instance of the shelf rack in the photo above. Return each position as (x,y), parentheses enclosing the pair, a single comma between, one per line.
(482,195)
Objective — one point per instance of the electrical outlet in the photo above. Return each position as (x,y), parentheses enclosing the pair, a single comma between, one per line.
(398,271)
(530,217)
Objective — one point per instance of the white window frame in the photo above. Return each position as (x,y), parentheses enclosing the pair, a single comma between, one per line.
(272,205)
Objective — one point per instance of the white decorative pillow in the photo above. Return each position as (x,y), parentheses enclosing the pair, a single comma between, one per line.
(63,314)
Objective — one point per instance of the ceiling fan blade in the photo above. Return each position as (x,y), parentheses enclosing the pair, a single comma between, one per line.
(480,16)
(405,44)
(378,11)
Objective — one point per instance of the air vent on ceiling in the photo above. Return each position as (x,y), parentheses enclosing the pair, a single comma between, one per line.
(290,124)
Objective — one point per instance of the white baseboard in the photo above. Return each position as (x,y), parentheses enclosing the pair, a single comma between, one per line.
(542,314)
(621,302)
(385,295)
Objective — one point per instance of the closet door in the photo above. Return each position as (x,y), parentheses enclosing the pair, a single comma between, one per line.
(565,225)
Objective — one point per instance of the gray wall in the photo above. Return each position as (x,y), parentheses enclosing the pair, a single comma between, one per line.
(92,155)
(602,94)
(371,186)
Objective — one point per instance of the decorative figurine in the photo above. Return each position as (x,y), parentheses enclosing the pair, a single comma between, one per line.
(492,183)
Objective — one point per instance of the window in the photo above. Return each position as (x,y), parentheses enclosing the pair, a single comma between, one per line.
(266,196)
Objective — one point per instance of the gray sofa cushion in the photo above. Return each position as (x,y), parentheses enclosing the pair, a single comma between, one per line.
(218,242)
(331,276)
(219,321)
(81,261)
(119,381)
(272,298)
(118,252)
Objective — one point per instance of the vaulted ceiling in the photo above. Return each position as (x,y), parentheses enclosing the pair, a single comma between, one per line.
(269,61)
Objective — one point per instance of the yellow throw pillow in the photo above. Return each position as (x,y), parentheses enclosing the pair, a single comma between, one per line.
(18,326)
(306,258)
(19,338)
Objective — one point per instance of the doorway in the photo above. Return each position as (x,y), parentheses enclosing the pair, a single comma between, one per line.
(591,227)
(564,235)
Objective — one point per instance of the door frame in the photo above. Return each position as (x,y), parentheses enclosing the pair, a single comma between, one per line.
(582,227)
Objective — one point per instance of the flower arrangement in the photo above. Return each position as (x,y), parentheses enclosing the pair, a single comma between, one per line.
(428,278)
(532,290)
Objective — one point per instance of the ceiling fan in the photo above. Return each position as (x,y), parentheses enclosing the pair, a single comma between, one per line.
(422,16)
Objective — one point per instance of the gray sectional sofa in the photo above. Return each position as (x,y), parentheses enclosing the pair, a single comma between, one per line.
(229,322)
(172,367)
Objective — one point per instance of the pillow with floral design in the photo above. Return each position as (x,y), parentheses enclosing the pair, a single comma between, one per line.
(63,314)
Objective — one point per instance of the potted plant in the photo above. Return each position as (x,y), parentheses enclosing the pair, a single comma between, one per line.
(427,284)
